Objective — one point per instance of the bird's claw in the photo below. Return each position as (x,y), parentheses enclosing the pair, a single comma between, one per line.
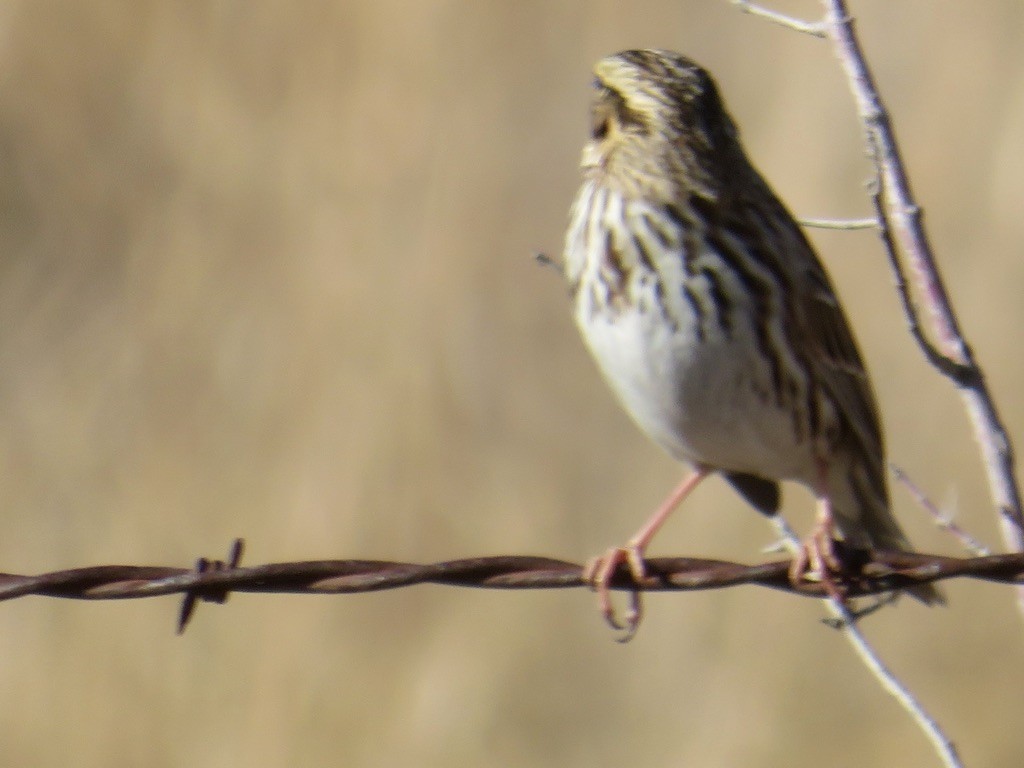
(599,573)
(817,560)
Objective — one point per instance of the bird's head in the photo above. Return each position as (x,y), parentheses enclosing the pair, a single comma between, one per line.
(657,124)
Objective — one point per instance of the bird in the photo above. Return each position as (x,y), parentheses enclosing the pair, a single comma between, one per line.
(714,322)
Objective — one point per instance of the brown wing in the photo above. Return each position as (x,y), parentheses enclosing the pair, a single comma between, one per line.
(819,326)
(834,354)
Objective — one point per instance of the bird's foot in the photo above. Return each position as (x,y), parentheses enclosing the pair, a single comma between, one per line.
(599,573)
(818,559)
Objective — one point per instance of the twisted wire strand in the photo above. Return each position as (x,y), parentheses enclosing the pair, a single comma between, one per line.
(869,573)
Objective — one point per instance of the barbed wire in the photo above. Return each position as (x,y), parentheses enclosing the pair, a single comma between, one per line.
(866,573)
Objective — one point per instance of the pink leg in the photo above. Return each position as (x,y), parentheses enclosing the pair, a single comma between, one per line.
(599,570)
(817,555)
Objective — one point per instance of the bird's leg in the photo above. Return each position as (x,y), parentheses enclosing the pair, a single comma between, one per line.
(600,570)
(817,554)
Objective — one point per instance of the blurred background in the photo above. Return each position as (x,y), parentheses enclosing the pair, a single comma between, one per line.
(266,271)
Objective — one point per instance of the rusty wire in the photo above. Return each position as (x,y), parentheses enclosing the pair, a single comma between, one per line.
(867,573)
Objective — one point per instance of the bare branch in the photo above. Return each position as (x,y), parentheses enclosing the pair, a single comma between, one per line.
(903,218)
(896,211)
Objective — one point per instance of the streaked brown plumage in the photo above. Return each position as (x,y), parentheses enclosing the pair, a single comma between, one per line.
(711,317)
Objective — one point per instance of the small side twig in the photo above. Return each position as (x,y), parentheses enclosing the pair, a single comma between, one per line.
(813,28)
(942,519)
(843,224)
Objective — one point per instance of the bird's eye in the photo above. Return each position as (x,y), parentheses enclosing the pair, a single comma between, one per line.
(603,111)
(601,115)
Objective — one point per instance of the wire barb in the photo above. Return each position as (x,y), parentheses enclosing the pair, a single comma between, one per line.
(214,595)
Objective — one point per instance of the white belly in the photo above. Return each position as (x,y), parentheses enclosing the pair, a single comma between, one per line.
(702,401)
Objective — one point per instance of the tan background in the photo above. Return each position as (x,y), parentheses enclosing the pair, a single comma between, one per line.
(265,270)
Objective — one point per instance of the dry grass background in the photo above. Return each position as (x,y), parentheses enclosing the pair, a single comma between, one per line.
(266,271)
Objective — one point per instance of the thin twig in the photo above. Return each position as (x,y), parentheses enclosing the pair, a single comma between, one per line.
(942,744)
(846,622)
(546,261)
(844,224)
(813,28)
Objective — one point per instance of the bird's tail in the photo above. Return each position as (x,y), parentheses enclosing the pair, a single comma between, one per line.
(873,525)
